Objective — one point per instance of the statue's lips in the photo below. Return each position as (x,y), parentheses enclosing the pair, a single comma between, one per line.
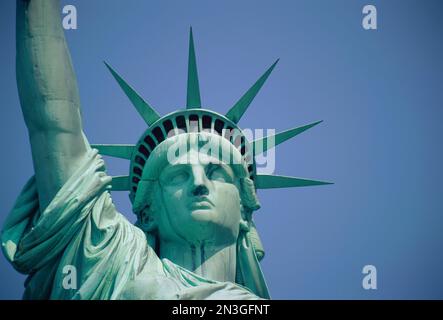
(201,203)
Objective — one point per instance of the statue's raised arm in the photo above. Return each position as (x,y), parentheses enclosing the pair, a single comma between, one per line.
(48,95)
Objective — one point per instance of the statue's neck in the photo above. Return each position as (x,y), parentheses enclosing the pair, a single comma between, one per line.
(208,260)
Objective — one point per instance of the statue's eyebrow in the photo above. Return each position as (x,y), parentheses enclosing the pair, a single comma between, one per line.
(170,168)
(223,165)
(173,166)
(210,165)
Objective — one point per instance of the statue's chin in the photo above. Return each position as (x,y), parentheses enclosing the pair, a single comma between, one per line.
(204,225)
(203,215)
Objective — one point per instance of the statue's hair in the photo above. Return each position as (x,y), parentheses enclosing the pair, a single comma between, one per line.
(248,195)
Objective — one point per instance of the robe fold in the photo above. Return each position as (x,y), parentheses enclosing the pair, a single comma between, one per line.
(81,232)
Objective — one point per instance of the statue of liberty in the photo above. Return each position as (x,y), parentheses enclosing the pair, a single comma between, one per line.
(194,237)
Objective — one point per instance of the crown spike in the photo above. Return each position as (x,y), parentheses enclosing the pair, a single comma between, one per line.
(261,145)
(148,113)
(120,183)
(123,151)
(264,181)
(193,92)
(237,111)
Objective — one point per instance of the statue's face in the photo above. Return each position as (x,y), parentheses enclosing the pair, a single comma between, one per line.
(200,201)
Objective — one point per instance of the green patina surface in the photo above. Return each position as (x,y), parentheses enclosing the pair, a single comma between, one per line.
(194,238)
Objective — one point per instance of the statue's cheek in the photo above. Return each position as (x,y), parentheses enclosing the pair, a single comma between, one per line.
(172,194)
(226,190)
(228,199)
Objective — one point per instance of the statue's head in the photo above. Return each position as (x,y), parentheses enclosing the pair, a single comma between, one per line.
(197,190)
(193,175)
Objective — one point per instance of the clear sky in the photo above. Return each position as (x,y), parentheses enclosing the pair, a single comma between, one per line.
(379,93)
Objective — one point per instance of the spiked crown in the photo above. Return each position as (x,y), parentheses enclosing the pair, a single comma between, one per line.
(195,118)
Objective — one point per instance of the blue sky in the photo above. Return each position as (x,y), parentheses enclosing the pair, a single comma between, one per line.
(378,92)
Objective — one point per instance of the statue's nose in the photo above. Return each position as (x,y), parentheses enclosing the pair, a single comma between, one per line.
(200,190)
(199,186)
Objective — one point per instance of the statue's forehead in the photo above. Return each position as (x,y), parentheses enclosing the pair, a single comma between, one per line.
(199,147)
(201,157)
(195,157)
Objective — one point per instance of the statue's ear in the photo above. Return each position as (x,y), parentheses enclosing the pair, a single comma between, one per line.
(147,221)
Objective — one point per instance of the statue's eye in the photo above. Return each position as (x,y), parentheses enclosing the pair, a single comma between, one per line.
(174,176)
(178,177)
(217,173)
